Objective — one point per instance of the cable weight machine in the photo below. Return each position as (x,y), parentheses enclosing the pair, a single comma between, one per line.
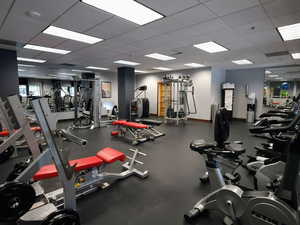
(178,104)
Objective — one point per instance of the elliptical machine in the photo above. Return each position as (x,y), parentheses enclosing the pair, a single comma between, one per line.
(248,207)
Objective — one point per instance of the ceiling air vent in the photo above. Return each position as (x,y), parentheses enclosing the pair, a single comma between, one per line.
(8,43)
(177,53)
(67,64)
(276,54)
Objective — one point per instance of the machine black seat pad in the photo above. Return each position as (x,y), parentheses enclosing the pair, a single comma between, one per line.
(237,148)
(200,145)
(149,122)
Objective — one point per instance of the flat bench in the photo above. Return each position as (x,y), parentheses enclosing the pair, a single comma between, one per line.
(149,122)
(5,133)
(106,155)
(130,124)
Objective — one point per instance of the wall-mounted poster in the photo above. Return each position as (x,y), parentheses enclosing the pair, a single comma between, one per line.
(106,89)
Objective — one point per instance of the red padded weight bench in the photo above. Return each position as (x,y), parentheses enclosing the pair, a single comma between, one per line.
(135,132)
(104,156)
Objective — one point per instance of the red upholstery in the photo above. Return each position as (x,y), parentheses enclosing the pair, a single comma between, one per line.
(5,133)
(110,155)
(136,125)
(114,133)
(36,128)
(119,122)
(130,124)
(50,171)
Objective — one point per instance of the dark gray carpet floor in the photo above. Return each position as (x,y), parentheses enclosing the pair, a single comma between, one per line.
(172,187)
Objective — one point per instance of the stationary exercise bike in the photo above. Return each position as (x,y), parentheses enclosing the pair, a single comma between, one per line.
(248,207)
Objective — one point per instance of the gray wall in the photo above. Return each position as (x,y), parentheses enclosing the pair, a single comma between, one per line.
(202,83)
(217,79)
(254,78)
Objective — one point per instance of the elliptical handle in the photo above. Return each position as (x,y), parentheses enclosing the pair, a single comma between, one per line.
(291,125)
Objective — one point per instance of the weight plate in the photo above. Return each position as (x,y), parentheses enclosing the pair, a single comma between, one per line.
(62,217)
(16,200)
(6,154)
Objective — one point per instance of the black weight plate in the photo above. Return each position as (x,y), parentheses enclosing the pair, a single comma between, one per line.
(62,217)
(16,200)
(6,154)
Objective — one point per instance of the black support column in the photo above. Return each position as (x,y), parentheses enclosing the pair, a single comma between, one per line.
(9,80)
(126,86)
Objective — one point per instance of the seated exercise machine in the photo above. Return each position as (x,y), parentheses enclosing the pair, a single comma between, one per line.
(136,133)
(251,207)
(139,107)
(24,199)
(269,162)
(221,134)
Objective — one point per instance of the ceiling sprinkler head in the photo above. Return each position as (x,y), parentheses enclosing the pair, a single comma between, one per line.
(33,14)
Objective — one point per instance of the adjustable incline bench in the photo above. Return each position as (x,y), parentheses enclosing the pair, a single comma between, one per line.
(152,123)
(132,131)
(89,172)
(78,178)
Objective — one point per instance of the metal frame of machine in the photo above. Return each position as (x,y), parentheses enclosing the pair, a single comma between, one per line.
(178,106)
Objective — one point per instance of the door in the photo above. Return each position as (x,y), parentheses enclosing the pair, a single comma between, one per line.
(164,98)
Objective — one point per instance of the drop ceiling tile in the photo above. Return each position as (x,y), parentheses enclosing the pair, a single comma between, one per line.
(225,7)
(262,37)
(167,7)
(269,47)
(46,40)
(71,45)
(293,46)
(278,8)
(255,27)
(26,53)
(4,7)
(82,17)
(20,27)
(292,18)
(48,55)
(112,27)
(244,17)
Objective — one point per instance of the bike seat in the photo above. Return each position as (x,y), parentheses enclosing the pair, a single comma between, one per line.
(200,145)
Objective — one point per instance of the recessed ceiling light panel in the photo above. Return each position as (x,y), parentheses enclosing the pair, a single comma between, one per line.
(31,60)
(195,65)
(268,72)
(68,74)
(96,68)
(46,49)
(273,76)
(290,32)
(64,33)
(242,62)
(211,47)
(26,65)
(82,71)
(125,62)
(140,71)
(127,9)
(162,68)
(160,57)
(296,55)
